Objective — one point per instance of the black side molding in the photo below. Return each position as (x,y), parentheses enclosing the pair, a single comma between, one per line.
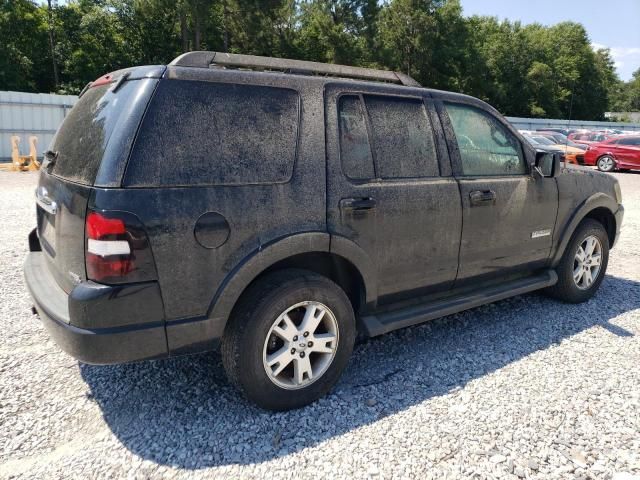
(375,325)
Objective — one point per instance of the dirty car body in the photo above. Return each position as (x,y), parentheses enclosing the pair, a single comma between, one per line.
(173,191)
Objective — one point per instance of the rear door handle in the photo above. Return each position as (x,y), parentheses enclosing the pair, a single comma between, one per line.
(482,197)
(45,202)
(367,203)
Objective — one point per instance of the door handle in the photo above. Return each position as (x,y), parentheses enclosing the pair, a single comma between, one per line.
(482,197)
(367,203)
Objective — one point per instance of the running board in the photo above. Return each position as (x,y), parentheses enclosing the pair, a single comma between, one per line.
(379,324)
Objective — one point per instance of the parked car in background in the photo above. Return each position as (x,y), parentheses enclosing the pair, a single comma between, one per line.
(621,153)
(561,139)
(563,131)
(589,137)
(570,154)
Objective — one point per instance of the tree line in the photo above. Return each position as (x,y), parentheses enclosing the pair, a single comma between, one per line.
(522,70)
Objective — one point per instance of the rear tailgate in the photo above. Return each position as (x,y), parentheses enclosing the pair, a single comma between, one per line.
(61,213)
(90,148)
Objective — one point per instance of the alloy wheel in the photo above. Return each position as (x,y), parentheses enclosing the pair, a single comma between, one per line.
(606,164)
(587,262)
(301,345)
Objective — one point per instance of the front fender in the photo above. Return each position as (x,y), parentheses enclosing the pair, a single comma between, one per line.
(597,200)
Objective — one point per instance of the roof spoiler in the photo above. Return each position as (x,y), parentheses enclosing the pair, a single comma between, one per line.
(204,59)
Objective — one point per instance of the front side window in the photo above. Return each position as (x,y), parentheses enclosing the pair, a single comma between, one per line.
(629,141)
(486,146)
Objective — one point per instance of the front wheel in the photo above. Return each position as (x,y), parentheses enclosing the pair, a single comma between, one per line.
(583,265)
(606,164)
(289,340)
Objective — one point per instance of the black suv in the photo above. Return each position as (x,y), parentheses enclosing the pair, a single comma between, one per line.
(275,208)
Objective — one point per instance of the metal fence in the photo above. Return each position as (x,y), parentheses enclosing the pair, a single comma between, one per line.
(538,123)
(30,114)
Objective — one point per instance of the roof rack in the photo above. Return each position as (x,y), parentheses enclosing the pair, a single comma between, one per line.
(203,59)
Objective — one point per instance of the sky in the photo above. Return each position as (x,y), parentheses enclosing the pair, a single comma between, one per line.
(610,23)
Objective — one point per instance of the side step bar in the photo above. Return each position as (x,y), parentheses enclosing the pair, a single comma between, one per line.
(405,317)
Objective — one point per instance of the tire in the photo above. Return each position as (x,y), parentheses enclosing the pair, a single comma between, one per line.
(577,290)
(606,163)
(255,335)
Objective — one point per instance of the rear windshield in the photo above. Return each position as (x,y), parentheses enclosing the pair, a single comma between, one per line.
(83,136)
(202,133)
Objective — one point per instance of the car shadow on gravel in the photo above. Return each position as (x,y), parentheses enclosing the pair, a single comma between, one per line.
(182,412)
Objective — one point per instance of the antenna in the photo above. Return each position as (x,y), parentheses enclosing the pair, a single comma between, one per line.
(566,145)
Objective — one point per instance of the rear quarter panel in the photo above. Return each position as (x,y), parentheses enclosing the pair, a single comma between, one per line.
(189,274)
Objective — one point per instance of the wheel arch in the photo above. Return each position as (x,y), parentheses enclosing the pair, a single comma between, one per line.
(599,207)
(347,265)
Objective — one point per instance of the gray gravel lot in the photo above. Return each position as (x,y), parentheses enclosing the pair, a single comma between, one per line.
(527,388)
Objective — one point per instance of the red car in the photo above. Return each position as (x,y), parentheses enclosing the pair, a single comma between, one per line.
(616,153)
(589,138)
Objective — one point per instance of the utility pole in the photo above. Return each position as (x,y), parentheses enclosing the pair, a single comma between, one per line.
(52,46)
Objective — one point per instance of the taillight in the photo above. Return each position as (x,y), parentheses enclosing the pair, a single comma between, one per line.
(117,248)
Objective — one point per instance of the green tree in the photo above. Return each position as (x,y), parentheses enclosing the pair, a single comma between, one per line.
(25,61)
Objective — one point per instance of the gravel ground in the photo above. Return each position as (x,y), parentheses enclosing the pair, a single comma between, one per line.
(527,388)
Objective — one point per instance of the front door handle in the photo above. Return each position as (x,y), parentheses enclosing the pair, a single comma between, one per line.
(367,203)
(482,197)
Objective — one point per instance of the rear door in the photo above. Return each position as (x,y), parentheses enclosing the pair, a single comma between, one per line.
(627,152)
(387,191)
(92,142)
(508,215)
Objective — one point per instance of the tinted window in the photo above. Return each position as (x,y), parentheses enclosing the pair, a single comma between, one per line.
(629,141)
(83,136)
(402,138)
(486,146)
(355,151)
(202,133)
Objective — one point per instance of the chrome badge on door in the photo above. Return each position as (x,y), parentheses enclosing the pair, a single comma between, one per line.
(541,233)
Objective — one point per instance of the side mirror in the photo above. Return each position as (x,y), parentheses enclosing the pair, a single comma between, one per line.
(547,164)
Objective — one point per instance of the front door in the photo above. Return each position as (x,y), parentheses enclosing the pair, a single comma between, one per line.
(386,192)
(508,214)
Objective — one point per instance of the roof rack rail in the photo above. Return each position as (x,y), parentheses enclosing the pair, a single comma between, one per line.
(204,59)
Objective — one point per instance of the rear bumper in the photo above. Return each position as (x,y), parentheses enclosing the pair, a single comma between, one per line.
(90,330)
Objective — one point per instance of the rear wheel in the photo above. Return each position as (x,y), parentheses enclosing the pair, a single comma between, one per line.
(289,340)
(583,265)
(606,163)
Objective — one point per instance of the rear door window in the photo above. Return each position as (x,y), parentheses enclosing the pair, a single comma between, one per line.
(83,136)
(203,133)
(402,137)
(355,150)
(385,138)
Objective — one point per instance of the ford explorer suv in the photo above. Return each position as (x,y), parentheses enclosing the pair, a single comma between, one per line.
(274,209)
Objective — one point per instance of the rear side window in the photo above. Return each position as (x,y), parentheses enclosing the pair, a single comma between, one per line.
(202,133)
(83,136)
(386,137)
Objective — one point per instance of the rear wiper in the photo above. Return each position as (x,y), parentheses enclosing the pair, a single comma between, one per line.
(51,156)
